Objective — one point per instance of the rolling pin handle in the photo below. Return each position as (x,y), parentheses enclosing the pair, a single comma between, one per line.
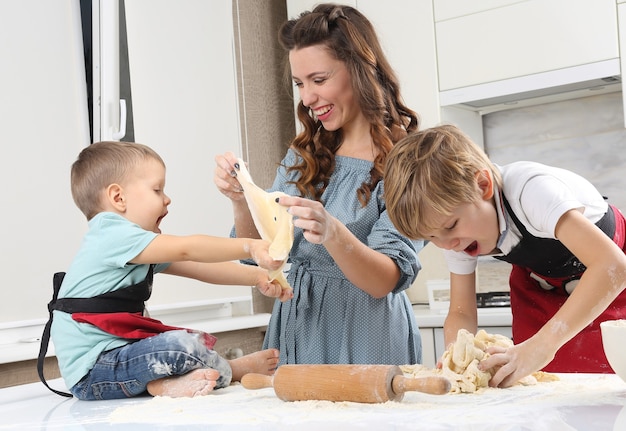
(430,385)
(256,381)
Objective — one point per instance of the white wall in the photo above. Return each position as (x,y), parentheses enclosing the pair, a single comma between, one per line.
(182,75)
(44,123)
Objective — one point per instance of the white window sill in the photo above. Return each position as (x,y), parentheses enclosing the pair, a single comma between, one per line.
(20,341)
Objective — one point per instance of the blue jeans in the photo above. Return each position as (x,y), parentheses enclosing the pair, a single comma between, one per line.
(125,372)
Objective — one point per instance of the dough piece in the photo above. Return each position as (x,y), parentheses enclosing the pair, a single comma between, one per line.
(460,363)
(273,221)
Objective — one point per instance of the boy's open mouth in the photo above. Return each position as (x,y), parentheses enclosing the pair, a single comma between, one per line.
(472,249)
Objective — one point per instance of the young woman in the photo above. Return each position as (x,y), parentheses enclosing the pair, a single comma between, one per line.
(349,265)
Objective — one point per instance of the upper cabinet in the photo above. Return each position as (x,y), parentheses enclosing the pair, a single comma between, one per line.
(447,9)
(501,41)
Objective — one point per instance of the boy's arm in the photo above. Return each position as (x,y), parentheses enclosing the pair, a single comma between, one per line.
(601,283)
(204,248)
(230,273)
(463,311)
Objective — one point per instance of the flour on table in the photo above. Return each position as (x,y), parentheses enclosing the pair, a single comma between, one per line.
(534,407)
(460,363)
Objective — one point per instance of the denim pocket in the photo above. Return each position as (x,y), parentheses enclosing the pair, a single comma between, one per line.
(114,390)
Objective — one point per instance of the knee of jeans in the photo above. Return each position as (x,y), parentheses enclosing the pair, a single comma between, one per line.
(186,342)
(179,352)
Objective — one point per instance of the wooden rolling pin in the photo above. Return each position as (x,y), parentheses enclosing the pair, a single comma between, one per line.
(357,383)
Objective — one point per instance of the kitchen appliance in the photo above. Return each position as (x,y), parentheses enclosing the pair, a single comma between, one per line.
(493,299)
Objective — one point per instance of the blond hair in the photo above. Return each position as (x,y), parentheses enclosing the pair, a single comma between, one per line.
(101,164)
(429,174)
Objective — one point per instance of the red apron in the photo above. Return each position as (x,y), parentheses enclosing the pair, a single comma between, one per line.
(533,305)
(135,326)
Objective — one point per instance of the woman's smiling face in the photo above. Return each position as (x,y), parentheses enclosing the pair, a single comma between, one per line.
(325,86)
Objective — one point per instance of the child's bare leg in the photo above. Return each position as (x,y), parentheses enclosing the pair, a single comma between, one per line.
(197,382)
(261,362)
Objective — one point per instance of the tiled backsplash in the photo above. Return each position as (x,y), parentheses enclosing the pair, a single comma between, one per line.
(585,135)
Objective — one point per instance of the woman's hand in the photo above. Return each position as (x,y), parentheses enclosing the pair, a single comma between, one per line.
(225,177)
(311,216)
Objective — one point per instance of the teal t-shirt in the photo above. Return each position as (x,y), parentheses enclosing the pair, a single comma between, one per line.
(100,266)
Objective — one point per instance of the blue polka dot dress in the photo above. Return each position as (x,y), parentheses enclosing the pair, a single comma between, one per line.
(329,320)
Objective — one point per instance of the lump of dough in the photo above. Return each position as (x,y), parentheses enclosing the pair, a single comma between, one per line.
(460,363)
(272,220)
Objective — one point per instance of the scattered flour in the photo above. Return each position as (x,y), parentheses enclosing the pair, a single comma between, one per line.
(541,406)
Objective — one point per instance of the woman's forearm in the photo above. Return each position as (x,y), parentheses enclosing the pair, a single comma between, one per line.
(373,272)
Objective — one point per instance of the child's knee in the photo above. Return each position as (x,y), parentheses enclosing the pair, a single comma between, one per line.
(185,342)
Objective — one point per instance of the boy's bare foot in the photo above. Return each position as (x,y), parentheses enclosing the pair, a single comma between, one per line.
(261,362)
(194,383)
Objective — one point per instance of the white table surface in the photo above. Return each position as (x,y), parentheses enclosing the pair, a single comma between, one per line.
(582,402)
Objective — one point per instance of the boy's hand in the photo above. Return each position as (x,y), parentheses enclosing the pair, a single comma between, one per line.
(515,363)
(273,289)
(259,251)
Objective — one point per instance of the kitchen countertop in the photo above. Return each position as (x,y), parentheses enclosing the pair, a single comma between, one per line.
(493,316)
(582,402)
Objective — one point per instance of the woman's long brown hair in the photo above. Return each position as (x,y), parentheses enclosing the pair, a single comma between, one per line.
(350,37)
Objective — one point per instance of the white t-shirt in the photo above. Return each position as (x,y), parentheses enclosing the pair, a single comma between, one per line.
(538,195)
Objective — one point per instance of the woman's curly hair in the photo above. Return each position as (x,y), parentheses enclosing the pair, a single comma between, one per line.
(351,38)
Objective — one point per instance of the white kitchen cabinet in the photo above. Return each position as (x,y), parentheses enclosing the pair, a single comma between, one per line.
(429,357)
(446,9)
(524,38)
